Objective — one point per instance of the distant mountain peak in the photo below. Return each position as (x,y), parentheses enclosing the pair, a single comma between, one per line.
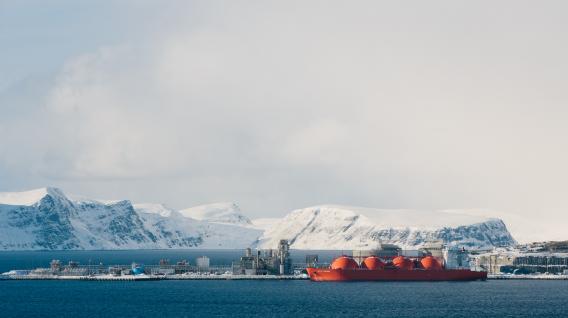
(223,212)
(156,208)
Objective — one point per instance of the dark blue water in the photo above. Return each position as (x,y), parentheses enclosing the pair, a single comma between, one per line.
(282,299)
(278,298)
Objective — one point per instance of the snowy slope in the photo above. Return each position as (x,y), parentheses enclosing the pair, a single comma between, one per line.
(265,223)
(173,227)
(338,227)
(47,219)
(226,213)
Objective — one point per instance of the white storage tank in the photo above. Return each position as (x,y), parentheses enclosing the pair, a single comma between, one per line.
(202,263)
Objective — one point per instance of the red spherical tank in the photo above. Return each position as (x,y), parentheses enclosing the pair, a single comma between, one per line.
(430,263)
(403,263)
(373,263)
(344,262)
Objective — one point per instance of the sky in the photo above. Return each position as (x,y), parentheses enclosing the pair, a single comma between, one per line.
(278,105)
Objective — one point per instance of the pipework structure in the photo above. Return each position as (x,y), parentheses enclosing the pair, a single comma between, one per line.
(266,262)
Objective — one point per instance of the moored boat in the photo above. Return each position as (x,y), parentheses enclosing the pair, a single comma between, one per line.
(345,268)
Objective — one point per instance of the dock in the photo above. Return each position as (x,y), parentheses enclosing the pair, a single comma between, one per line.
(90,278)
(153,277)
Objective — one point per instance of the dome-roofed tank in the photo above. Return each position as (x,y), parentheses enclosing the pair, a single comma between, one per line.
(430,263)
(344,262)
(403,263)
(373,263)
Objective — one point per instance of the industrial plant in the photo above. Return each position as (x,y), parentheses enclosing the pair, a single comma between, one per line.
(260,264)
(264,262)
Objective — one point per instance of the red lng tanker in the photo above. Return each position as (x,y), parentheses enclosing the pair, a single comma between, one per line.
(428,268)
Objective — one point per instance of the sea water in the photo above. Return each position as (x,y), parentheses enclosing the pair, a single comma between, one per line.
(499,298)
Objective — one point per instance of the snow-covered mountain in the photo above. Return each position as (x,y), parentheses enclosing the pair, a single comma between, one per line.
(47,219)
(265,223)
(338,227)
(226,213)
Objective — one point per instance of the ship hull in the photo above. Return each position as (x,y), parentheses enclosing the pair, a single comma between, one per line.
(340,275)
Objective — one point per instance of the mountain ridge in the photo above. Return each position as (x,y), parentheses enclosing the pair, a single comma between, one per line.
(46,218)
(340,227)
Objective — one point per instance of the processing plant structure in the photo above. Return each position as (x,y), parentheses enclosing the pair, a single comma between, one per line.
(265,262)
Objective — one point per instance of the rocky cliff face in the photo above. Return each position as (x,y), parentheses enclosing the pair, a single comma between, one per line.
(44,224)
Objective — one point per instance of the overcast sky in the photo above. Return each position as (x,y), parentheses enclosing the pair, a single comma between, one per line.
(288,104)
